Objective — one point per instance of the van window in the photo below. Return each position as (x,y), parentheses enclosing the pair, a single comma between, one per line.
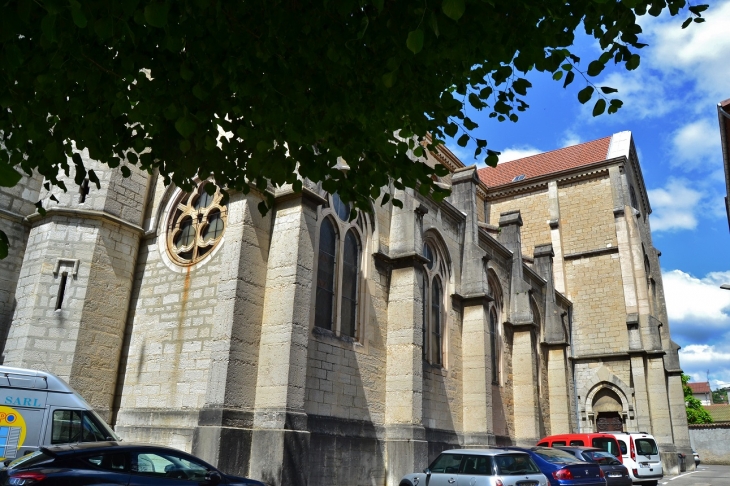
(646,447)
(543,444)
(75,426)
(607,444)
(622,445)
(558,443)
(576,443)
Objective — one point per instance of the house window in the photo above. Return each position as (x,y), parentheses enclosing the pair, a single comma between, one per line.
(434,274)
(196,225)
(495,310)
(337,301)
(493,341)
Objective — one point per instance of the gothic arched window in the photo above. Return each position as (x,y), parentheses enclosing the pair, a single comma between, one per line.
(337,304)
(495,328)
(434,274)
(196,225)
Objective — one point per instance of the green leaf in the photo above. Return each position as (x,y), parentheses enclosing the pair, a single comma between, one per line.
(48,27)
(78,16)
(699,20)
(481,143)
(463,140)
(8,176)
(614,106)
(451,129)
(418,151)
(93,178)
(599,107)
(686,23)
(633,62)
(434,24)
(386,198)
(185,126)
(39,207)
(209,188)
(185,146)
(585,94)
(398,203)
(389,79)
(4,245)
(558,75)
(608,90)
(520,86)
(379,5)
(568,78)
(698,9)
(125,171)
(453,9)
(155,14)
(475,101)
(415,41)
(595,68)
(492,158)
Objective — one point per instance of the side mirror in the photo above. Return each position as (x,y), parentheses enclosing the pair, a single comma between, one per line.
(427,472)
(213,478)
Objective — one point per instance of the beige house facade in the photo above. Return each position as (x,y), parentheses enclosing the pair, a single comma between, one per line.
(306,347)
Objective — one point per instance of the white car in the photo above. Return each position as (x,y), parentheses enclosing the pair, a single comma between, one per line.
(640,455)
(479,467)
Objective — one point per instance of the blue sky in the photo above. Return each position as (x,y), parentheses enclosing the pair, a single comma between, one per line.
(670,107)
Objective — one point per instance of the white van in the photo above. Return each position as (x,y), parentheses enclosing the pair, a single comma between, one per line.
(640,456)
(39,409)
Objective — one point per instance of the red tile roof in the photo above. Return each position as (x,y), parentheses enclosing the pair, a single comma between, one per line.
(702,387)
(546,163)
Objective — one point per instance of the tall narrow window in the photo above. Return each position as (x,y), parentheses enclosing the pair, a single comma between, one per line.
(424,316)
(436,321)
(493,340)
(350,271)
(61,290)
(326,266)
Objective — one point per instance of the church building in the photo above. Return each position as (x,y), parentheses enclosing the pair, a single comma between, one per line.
(306,348)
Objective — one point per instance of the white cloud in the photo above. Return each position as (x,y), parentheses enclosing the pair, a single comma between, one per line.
(518,152)
(697,359)
(697,144)
(674,206)
(570,138)
(697,300)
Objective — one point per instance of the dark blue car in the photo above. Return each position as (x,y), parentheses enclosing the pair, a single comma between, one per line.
(564,469)
(114,463)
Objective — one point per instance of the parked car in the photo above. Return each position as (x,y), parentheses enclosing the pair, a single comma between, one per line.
(640,456)
(606,442)
(616,474)
(480,467)
(115,463)
(563,469)
(697,457)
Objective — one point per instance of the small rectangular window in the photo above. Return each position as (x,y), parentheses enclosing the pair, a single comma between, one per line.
(558,443)
(61,290)
(576,443)
(66,426)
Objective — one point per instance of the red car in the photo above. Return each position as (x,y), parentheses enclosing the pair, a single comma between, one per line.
(606,442)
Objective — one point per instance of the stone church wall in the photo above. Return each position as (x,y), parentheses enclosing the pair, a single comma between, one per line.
(586,217)
(534,209)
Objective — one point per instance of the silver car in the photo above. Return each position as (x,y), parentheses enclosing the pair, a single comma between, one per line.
(479,467)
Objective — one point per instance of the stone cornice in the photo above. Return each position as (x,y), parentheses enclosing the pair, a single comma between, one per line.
(472,299)
(5,214)
(85,214)
(401,261)
(591,253)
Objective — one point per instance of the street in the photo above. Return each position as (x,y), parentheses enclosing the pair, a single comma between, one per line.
(704,476)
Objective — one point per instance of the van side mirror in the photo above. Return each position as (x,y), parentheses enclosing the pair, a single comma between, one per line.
(213,478)
(427,472)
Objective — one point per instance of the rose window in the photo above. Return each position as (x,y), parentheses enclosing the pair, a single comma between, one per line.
(196,226)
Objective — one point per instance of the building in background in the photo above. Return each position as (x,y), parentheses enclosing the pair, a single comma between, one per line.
(701,391)
(303,347)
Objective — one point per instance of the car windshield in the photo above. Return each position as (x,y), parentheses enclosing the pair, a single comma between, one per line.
(601,457)
(646,447)
(514,464)
(556,456)
(447,463)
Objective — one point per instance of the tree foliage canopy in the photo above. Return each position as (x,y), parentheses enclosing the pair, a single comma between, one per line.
(696,413)
(296,84)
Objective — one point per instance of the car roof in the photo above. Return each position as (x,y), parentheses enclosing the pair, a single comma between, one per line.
(578,448)
(102,446)
(480,452)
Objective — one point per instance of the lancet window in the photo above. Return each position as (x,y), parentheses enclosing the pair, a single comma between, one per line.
(434,278)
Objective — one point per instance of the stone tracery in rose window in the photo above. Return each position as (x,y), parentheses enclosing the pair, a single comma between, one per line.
(196,225)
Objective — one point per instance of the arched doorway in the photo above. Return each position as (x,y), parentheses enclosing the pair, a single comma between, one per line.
(607,407)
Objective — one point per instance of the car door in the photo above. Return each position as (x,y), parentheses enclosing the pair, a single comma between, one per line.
(445,470)
(475,471)
(165,468)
